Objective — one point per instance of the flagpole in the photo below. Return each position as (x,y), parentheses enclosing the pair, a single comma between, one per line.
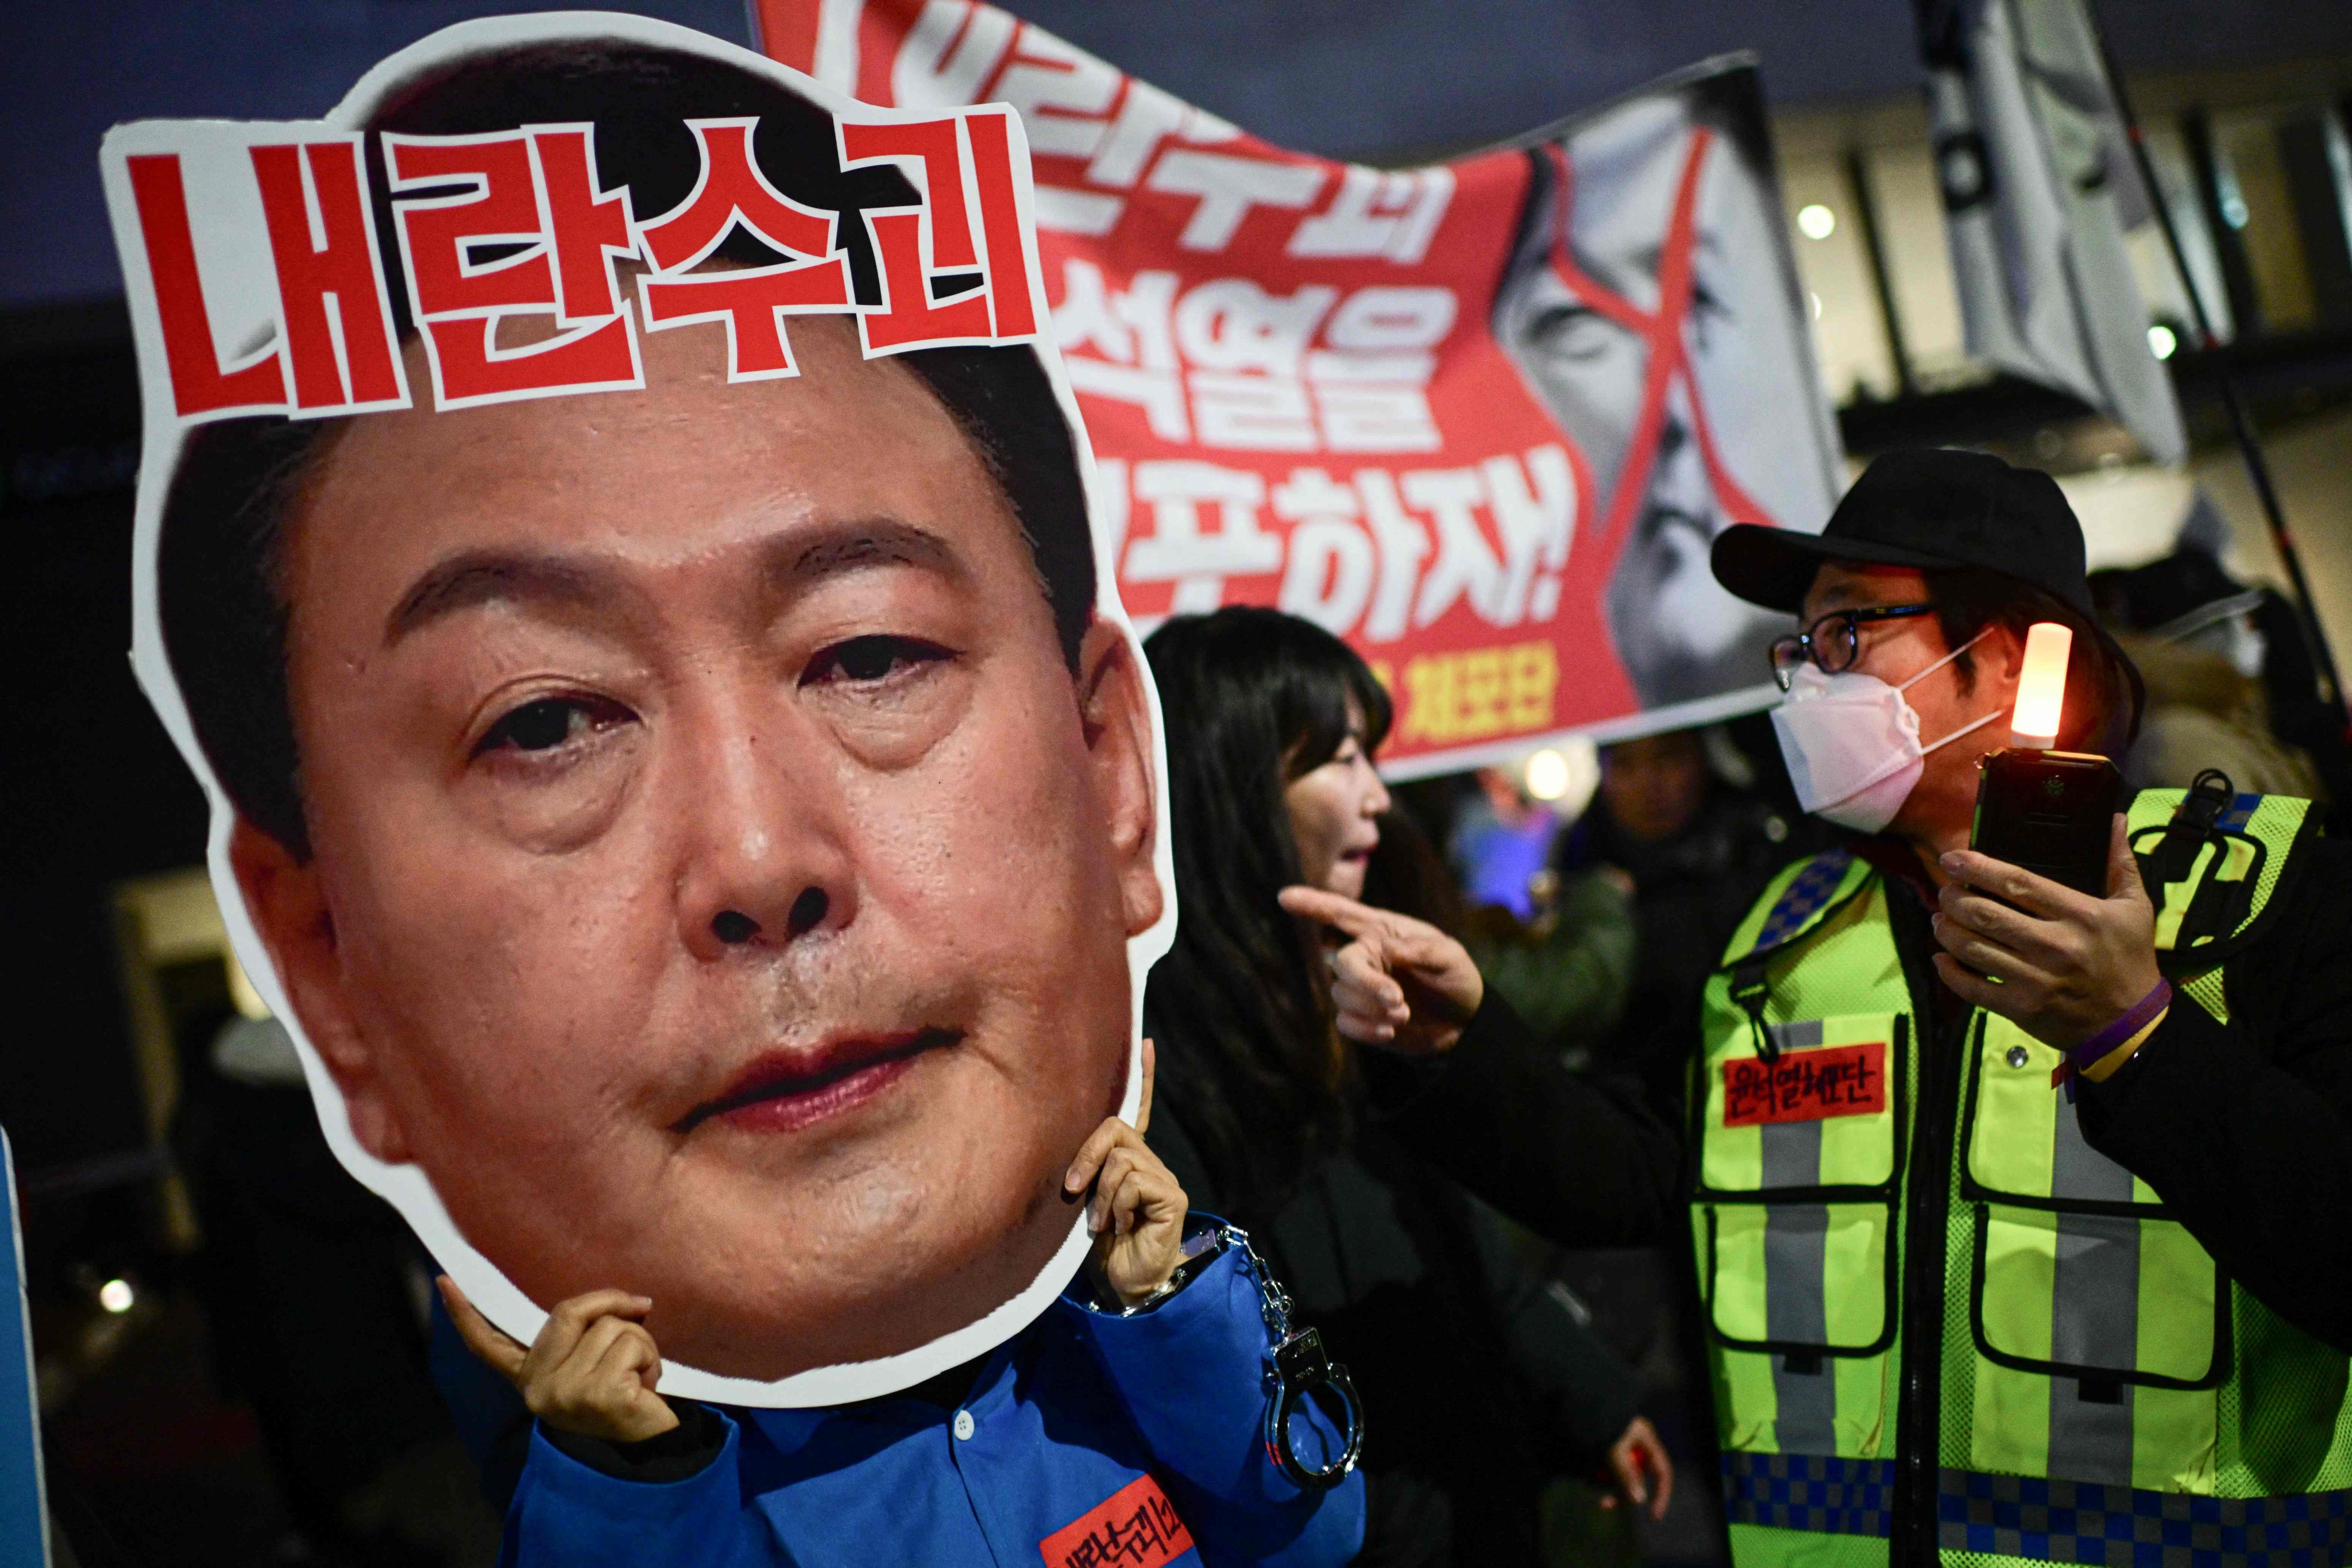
(2233,398)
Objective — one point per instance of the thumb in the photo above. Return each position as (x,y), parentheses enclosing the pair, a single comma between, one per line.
(2123,866)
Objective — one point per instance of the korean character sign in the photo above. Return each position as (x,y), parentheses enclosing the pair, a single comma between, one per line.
(1482,419)
(613,543)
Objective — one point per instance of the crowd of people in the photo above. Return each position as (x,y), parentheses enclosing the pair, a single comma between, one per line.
(1394,1093)
(887,1063)
(1454,1101)
(758,1053)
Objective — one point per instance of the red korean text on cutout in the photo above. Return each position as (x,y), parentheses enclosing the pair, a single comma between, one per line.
(936,248)
(751,302)
(335,353)
(199,385)
(512,224)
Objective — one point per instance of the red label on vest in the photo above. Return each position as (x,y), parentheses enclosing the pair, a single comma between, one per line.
(1135,1527)
(1805,1086)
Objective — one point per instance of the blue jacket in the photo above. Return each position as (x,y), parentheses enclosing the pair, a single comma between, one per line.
(1093,1440)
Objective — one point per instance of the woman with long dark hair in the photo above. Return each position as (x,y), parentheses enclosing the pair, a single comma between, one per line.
(1344,1161)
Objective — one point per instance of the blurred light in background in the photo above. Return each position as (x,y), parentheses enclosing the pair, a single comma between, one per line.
(1546,775)
(2161,341)
(1815,221)
(116,1296)
(1564,776)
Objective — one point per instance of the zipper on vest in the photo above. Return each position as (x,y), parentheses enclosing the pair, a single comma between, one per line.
(1926,1231)
(1918,1411)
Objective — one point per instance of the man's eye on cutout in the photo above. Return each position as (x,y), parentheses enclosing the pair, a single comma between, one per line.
(551,722)
(873,658)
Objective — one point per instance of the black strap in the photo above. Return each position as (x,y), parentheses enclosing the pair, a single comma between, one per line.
(2189,830)
(1749,987)
(2212,907)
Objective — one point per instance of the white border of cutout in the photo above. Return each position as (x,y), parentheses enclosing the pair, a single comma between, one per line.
(405,1186)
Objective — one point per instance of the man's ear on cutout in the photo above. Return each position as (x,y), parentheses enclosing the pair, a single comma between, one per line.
(289,907)
(1117,720)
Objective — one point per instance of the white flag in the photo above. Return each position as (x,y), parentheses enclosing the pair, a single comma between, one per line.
(2040,190)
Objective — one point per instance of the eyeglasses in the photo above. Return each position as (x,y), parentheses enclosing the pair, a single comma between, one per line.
(1834,642)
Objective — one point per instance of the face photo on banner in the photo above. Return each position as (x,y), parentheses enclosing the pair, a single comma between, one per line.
(1653,304)
(613,543)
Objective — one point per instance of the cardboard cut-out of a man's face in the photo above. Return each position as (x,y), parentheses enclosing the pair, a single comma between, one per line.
(692,787)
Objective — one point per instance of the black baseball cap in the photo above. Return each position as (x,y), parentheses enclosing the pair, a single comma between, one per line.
(1921,507)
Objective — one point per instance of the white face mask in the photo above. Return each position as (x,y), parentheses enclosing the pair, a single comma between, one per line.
(1852,742)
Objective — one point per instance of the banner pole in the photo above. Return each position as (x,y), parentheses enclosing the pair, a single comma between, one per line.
(2233,398)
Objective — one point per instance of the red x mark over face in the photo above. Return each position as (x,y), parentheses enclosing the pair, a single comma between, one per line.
(1664,332)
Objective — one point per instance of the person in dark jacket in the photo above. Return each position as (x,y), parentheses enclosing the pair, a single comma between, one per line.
(1480,1385)
(1697,852)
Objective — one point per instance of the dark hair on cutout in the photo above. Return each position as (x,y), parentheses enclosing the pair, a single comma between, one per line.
(1240,1009)
(221,589)
(2104,696)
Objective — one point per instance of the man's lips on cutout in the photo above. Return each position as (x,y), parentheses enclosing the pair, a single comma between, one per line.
(785,1091)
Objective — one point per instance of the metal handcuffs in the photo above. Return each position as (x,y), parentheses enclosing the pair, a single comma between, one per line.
(1300,1366)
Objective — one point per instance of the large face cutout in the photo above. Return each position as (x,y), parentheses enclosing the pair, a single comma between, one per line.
(1657,237)
(724,878)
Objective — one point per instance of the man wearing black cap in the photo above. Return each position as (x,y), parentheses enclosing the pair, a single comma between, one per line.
(2005,1249)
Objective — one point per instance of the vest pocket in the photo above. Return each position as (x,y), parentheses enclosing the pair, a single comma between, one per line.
(1801,1280)
(2104,1298)
(1799,1164)
(2076,1270)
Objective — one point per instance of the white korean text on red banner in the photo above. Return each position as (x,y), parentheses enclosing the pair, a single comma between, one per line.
(1483,419)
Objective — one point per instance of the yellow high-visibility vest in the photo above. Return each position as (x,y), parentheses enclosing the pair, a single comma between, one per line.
(2105,1393)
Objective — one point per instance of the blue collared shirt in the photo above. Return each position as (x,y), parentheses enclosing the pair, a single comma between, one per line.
(1089,1439)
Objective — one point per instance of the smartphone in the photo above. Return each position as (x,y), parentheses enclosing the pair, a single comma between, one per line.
(2050,812)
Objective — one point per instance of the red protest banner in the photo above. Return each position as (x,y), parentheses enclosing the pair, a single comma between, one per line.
(1483,419)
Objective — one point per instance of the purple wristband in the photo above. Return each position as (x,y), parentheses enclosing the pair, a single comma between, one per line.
(2135,1019)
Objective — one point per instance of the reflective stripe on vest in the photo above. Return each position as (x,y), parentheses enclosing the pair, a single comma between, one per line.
(1799,1178)
(2091,1347)
(2100,1325)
